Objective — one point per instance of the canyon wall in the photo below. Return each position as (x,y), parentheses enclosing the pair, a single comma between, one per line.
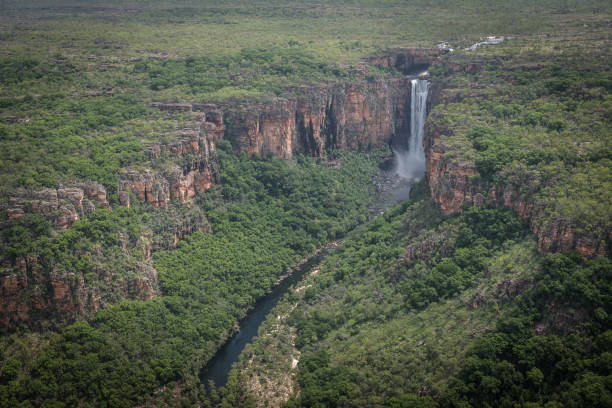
(354,115)
(42,296)
(344,116)
(178,170)
(455,184)
(40,291)
(358,115)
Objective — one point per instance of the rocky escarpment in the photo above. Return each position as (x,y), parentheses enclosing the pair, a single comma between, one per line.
(342,116)
(353,115)
(41,290)
(360,114)
(179,170)
(406,60)
(455,183)
(40,295)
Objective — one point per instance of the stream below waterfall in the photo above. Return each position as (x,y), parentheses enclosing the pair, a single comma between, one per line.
(219,367)
(392,186)
(391,190)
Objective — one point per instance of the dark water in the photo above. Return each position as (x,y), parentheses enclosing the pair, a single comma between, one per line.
(219,367)
(392,190)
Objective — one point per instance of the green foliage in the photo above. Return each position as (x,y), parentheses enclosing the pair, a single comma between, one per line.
(537,127)
(263,71)
(517,364)
(324,386)
(371,305)
(130,349)
(66,138)
(354,310)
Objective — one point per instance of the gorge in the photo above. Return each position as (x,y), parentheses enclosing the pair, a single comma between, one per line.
(344,116)
(409,164)
(281,204)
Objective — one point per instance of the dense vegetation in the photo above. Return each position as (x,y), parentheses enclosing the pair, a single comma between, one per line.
(414,309)
(76,78)
(536,117)
(266,214)
(565,361)
(475,318)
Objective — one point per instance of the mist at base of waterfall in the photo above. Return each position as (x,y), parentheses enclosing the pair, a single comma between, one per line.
(409,165)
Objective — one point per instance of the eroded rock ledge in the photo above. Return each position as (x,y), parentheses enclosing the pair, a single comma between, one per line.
(455,184)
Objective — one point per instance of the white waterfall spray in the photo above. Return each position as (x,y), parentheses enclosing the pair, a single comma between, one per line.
(411,164)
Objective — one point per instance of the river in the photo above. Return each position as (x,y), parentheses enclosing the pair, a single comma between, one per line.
(391,190)
(219,367)
(392,185)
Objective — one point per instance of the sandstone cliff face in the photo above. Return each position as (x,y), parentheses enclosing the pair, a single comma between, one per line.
(40,296)
(343,116)
(354,116)
(37,291)
(196,171)
(456,184)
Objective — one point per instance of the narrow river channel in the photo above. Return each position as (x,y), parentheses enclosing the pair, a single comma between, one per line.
(393,186)
(219,367)
(392,190)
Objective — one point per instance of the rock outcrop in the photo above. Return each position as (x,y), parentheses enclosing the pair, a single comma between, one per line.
(179,170)
(455,184)
(40,291)
(62,206)
(344,116)
(42,297)
(356,115)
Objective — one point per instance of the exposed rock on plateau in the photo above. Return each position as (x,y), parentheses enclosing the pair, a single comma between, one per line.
(181,170)
(62,206)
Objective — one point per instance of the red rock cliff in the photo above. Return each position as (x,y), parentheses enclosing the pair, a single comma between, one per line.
(179,170)
(455,184)
(357,115)
(344,116)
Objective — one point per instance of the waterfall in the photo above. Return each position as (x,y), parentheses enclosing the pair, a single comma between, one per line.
(411,164)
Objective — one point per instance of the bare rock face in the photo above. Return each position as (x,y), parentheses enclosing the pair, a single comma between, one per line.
(63,206)
(96,192)
(197,173)
(212,119)
(147,185)
(42,298)
(344,116)
(37,291)
(455,185)
(124,198)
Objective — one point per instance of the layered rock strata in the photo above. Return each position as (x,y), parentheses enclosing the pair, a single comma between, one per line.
(455,184)
(179,171)
(62,206)
(348,116)
(37,291)
(41,296)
